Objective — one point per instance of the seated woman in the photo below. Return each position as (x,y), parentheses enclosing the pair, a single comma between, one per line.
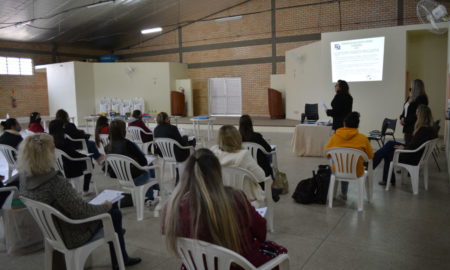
(136,121)
(75,133)
(230,153)
(71,168)
(349,136)
(248,135)
(423,131)
(11,133)
(39,181)
(166,130)
(101,127)
(118,144)
(201,207)
(35,123)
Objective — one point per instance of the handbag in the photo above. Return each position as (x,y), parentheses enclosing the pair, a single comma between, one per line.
(281,182)
(22,233)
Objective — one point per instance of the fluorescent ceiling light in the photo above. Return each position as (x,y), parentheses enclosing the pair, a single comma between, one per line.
(224,19)
(151,30)
(101,3)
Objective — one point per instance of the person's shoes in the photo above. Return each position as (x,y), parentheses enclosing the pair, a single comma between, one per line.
(343,197)
(132,261)
(382,183)
(276,194)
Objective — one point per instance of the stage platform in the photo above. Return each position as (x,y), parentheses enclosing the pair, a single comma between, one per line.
(257,121)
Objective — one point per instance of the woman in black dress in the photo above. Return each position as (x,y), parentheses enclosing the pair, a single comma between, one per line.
(341,105)
(408,117)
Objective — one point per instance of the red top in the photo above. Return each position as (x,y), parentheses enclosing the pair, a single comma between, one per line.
(36,128)
(252,224)
(104,130)
(141,124)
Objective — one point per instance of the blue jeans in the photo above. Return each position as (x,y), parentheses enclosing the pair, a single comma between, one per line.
(385,153)
(92,148)
(144,179)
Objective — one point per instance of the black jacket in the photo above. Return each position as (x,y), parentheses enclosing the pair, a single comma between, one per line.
(75,133)
(410,119)
(11,139)
(71,168)
(262,159)
(172,132)
(423,135)
(341,106)
(130,149)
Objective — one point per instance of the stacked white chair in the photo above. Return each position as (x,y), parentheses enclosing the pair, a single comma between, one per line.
(200,255)
(121,166)
(116,104)
(344,162)
(105,105)
(10,154)
(127,106)
(414,170)
(235,177)
(77,182)
(45,215)
(139,104)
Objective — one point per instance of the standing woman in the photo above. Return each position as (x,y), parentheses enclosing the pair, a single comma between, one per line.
(417,96)
(35,123)
(341,104)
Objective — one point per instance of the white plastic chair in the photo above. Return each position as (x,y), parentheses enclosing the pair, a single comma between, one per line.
(235,177)
(135,135)
(253,149)
(77,182)
(104,138)
(121,166)
(200,255)
(167,148)
(82,141)
(75,258)
(10,154)
(414,170)
(344,162)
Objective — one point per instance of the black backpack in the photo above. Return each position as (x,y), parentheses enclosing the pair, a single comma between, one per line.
(315,189)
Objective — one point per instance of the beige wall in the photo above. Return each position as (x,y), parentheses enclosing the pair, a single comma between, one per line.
(427,60)
(84,85)
(308,71)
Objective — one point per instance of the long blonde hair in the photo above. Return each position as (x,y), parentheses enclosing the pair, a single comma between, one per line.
(212,206)
(417,89)
(229,139)
(424,118)
(36,155)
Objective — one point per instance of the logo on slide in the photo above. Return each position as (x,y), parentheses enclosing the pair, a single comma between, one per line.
(337,46)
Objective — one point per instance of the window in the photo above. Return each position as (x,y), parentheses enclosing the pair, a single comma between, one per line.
(225,97)
(16,66)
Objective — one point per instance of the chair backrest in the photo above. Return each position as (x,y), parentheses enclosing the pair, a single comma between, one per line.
(135,134)
(77,142)
(121,166)
(253,149)
(43,215)
(59,154)
(235,176)
(167,148)
(428,148)
(104,138)
(9,153)
(312,111)
(200,255)
(388,124)
(344,161)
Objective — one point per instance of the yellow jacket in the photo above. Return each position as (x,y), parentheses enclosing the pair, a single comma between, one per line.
(351,138)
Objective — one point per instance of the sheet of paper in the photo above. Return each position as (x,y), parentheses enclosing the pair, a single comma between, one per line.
(107,195)
(150,158)
(273,146)
(323,105)
(261,211)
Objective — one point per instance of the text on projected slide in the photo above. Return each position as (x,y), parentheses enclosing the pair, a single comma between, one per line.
(357,60)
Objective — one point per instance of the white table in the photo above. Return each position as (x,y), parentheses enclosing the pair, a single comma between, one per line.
(196,125)
(310,140)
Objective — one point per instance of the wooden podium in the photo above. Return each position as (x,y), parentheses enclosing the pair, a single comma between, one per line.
(276,109)
(177,103)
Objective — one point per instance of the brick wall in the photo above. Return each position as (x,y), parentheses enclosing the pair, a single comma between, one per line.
(31,92)
(294,19)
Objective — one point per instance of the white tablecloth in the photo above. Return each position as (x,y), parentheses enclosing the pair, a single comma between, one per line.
(310,140)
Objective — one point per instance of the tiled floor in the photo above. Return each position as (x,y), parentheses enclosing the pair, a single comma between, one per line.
(396,231)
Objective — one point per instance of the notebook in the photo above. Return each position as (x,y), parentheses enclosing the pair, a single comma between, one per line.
(261,211)
(107,195)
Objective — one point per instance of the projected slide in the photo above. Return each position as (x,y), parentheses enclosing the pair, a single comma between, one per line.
(357,60)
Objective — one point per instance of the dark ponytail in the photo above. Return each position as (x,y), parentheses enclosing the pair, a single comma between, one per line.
(9,123)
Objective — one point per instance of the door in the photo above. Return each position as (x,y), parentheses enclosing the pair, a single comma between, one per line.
(225,96)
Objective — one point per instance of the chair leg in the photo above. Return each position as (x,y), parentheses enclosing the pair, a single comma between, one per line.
(331,191)
(425,176)
(391,168)
(10,171)
(414,180)
(368,188)
(48,256)
(118,251)
(435,161)
(360,194)
(139,198)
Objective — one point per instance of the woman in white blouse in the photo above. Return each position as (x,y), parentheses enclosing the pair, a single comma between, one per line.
(230,153)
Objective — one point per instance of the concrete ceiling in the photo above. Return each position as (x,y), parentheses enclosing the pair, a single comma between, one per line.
(109,26)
